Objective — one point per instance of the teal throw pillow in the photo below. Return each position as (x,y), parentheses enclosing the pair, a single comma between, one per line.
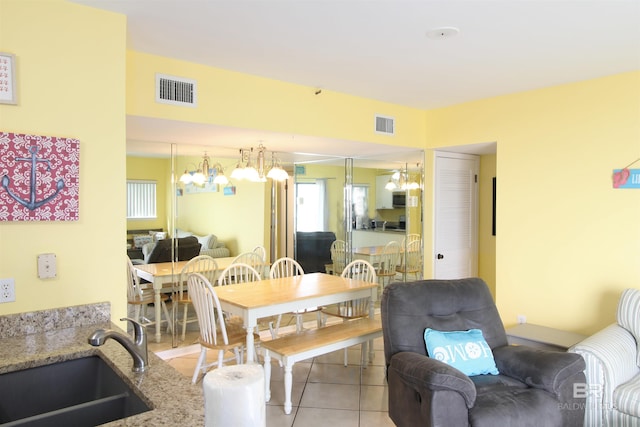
(467,351)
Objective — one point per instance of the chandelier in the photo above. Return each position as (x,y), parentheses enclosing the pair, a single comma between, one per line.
(400,180)
(245,168)
(203,173)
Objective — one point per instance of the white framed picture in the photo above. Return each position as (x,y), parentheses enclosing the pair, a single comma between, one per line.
(8,78)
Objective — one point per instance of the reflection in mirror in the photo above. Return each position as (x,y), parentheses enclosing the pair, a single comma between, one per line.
(238,216)
(318,215)
(395,209)
(371,218)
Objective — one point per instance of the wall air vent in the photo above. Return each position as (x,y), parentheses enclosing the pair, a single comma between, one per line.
(175,90)
(385,125)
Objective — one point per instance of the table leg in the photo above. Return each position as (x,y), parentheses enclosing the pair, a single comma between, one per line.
(267,375)
(372,301)
(250,344)
(158,313)
(372,312)
(288,382)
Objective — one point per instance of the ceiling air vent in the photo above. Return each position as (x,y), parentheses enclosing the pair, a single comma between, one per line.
(385,125)
(175,90)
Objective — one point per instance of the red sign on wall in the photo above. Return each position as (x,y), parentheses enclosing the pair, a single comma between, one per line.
(39,178)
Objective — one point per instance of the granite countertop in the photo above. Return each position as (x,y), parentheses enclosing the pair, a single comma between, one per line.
(175,401)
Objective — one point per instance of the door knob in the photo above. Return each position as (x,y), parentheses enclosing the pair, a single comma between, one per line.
(440,256)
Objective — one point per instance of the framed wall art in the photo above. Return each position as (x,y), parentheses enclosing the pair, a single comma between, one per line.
(8,93)
(39,178)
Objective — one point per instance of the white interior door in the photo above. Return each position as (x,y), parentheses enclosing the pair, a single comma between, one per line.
(456,215)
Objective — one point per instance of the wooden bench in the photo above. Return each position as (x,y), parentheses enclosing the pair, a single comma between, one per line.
(310,343)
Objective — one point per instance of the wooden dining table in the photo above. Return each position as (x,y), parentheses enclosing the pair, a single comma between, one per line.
(255,300)
(164,273)
(371,254)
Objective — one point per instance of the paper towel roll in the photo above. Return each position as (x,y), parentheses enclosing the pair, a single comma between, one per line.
(234,396)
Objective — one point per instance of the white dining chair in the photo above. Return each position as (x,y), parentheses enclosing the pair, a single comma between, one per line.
(255,260)
(411,261)
(388,261)
(203,264)
(244,273)
(238,272)
(287,267)
(357,308)
(139,299)
(338,256)
(411,237)
(260,250)
(215,332)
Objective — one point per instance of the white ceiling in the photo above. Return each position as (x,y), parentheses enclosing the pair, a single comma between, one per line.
(379,49)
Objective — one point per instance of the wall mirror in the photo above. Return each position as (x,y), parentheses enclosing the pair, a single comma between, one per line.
(326,197)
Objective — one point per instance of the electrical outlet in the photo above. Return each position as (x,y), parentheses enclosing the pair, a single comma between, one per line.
(522,318)
(7,290)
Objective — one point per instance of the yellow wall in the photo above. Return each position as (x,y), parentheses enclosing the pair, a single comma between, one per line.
(71,83)
(241,100)
(567,243)
(486,241)
(232,218)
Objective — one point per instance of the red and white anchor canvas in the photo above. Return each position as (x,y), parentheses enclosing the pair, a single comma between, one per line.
(39,178)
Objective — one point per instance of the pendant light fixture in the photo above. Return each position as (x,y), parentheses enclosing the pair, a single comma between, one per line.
(246,170)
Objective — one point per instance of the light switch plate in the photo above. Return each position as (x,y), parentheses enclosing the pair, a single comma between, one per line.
(47,268)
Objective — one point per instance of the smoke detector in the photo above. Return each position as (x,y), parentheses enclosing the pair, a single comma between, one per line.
(442,33)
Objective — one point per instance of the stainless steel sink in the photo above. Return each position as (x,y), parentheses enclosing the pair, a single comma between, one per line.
(79,392)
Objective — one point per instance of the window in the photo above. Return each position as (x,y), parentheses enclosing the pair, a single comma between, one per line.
(361,201)
(141,199)
(312,212)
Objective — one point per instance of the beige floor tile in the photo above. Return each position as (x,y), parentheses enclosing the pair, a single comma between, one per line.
(315,417)
(378,358)
(374,398)
(277,393)
(374,375)
(337,357)
(186,364)
(277,418)
(375,419)
(378,344)
(330,396)
(334,374)
(300,372)
(324,392)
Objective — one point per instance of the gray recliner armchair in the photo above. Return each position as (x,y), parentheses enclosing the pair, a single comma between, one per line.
(533,388)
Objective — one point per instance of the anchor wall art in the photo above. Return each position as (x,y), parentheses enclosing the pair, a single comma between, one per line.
(39,178)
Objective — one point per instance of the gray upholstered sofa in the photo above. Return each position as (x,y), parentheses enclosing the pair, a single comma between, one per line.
(613,368)
(209,245)
(532,388)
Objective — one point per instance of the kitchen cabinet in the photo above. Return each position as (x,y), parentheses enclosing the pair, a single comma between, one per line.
(384,197)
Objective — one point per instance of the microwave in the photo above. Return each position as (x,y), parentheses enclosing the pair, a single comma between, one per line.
(399,199)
